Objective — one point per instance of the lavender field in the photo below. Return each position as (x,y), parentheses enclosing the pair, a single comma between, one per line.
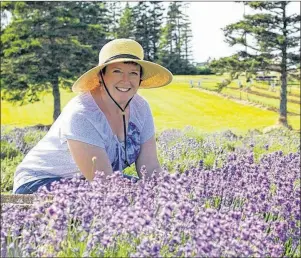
(220,195)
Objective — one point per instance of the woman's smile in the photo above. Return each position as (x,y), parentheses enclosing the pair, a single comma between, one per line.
(123,89)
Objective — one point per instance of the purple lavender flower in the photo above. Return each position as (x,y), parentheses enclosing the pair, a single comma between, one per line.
(245,207)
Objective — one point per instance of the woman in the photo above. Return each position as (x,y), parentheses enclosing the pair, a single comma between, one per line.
(107,120)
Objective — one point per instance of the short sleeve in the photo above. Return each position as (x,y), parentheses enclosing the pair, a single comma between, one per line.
(148,128)
(78,127)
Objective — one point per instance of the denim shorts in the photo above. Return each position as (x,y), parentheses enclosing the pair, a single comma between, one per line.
(33,186)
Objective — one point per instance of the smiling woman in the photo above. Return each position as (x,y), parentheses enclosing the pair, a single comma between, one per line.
(108,122)
(120,78)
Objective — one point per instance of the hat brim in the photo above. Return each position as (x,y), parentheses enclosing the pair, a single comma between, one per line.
(154,75)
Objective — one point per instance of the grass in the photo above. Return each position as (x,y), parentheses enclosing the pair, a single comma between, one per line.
(275,94)
(269,102)
(211,84)
(173,106)
(32,114)
(291,89)
(182,107)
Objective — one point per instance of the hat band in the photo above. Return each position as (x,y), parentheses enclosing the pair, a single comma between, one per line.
(122,56)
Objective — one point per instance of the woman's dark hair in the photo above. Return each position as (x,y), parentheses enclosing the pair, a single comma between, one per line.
(128,62)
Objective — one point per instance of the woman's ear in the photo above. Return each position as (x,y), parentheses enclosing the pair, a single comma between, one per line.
(99,79)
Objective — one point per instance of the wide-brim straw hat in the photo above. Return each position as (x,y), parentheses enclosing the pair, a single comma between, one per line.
(124,50)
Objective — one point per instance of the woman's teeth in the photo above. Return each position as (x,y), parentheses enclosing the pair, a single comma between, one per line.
(123,89)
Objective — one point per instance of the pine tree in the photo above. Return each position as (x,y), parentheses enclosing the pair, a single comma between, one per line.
(155,26)
(275,40)
(115,11)
(142,27)
(169,45)
(47,45)
(126,24)
(174,38)
(186,39)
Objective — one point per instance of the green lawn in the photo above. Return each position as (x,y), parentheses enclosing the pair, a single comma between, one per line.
(291,89)
(173,106)
(275,94)
(209,82)
(269,102)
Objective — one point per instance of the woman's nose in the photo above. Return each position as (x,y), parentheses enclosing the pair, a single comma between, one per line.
(125,77)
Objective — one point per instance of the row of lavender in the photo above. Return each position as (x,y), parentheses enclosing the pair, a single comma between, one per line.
(243,202)
(178,149)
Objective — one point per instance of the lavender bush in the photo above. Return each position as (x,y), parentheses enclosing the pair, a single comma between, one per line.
(178,150)
(246,204)
(15,144)
(182,149)
(23,139)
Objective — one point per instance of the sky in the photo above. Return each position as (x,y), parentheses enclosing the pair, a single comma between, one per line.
(207,19)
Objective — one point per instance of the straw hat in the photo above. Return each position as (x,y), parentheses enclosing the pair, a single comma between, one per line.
(124,50)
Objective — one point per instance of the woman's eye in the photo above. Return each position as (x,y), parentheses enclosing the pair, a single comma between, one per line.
(134,73)
(116,71)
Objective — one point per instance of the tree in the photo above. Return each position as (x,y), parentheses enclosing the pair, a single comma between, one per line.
(148,19)
(142,27)
(114,9)
(236,65)
(47,45)
(275,40)
(126,24)
(155,25)
(187,36)
(174,42)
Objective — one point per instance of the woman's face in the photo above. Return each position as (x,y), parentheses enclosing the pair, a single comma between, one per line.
(122,80)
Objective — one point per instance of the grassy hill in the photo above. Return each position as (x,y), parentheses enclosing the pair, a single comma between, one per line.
(173,106)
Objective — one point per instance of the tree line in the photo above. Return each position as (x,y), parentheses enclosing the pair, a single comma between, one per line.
(47,45)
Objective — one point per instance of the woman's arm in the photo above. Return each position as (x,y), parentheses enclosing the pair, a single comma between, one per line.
(148,157)
(83,153)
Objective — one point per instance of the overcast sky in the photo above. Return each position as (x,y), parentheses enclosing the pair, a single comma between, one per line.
(208,18)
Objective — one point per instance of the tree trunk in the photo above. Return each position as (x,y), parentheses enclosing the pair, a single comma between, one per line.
(283,99)
(283,92)
(56,99)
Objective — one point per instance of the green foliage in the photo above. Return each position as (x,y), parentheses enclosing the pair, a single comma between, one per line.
(62,38)
(274,45)
(203,70)
(209,160)
(126,26)
(47,45)
(148,17)
(174,41)
(15,144)
(8,150)
(223,84)
(236,65)
(213,149)
(131,170)
(32,137)
(8,168)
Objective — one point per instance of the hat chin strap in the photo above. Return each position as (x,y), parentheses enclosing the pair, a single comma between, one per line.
(123,116)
